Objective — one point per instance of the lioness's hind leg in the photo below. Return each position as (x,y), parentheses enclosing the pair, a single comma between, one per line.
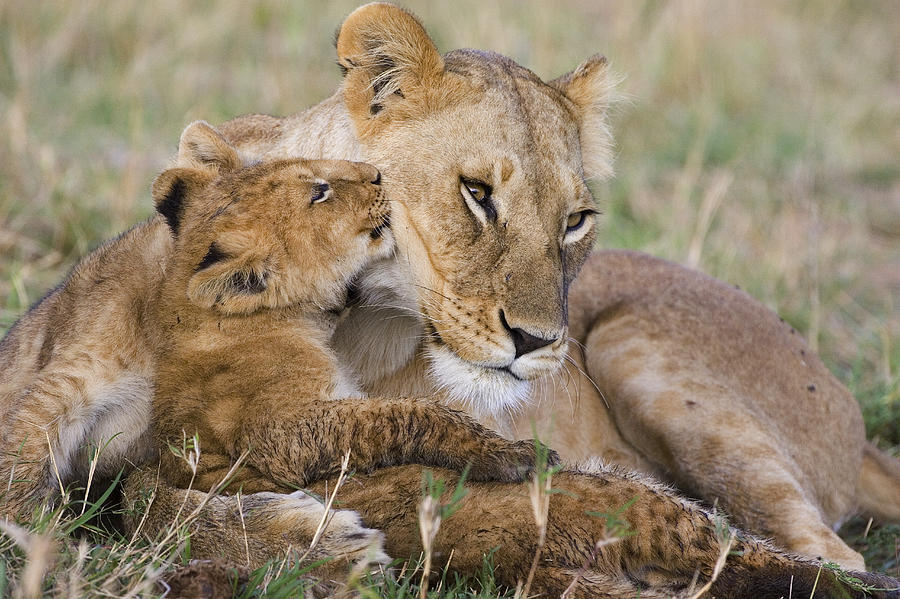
(252,529)
(671,549)
(707,437)
(576,583)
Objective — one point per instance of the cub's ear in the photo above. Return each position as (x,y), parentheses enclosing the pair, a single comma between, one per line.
(203,147)
(172,189)
(231,284)
(590,89)
(387,58)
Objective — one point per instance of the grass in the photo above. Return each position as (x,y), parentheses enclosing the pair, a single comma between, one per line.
(62,553)
(758,143)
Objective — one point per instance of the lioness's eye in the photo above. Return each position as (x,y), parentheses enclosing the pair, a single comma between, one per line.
(479,194)
(321,192)
(575,222)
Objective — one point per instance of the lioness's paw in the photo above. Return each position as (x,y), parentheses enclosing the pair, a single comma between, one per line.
(515,462)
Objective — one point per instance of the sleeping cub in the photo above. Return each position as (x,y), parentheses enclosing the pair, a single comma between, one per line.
(262,260)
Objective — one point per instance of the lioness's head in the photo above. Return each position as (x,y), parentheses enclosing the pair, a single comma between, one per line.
(486,166)
(271,234)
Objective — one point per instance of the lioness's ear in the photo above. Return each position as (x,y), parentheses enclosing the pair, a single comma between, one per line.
(203,147)
(590,89)
(386,57)
(231,284)
(171,189)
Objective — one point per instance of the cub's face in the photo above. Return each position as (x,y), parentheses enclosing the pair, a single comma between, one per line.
(273,234)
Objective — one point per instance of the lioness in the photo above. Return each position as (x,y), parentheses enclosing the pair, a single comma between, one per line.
(672,372)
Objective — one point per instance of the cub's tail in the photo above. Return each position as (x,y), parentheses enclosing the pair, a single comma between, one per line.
(878,493)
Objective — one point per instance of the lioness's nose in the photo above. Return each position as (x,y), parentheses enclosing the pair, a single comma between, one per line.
(524,342)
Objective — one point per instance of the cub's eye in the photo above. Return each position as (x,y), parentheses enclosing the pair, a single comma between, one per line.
(478,198)
(576,222)
(321,192)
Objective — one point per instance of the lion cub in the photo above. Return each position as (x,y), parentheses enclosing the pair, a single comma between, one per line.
(263,256)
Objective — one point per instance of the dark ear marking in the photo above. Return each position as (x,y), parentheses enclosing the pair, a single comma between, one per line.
(213,255)
(248,282)
(172,205)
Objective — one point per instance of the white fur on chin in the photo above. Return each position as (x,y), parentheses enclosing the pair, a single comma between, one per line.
(484,391)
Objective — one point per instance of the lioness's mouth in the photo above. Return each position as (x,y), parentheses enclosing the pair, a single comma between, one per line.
(434,336)
(378,231)
(503,369)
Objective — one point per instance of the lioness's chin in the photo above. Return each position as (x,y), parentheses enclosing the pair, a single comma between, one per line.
(484,391)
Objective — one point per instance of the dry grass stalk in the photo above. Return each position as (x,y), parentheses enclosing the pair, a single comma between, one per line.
(243,527)
(539,494)
(40,552)
(710,204)
(606,540)
(327,514)
(812,593)
(726,540)
(429,524)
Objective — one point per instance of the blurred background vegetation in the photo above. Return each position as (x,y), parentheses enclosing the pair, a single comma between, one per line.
(756,141)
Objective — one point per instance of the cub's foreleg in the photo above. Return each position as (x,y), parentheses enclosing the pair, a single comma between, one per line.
(310,443)
(309,439)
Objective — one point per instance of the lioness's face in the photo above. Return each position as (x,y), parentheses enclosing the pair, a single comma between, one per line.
(485,166)
(493,220)
(281,233)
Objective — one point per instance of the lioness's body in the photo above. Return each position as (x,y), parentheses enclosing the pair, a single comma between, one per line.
(671,371)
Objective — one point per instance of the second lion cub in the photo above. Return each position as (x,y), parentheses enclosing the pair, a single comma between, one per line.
(263,255)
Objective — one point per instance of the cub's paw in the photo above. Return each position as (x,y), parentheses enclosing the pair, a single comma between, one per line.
(344,536)
(514,462)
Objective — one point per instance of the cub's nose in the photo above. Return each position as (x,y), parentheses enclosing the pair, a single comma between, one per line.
(368,173)
(524,342)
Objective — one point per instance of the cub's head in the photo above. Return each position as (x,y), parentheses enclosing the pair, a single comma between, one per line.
(486,165)
(271,234)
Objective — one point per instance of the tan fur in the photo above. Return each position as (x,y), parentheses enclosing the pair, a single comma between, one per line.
(880,476)
(77,371)
(700,384)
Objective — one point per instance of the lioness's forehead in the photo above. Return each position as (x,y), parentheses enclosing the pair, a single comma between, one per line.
(486,66)
(518,105)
